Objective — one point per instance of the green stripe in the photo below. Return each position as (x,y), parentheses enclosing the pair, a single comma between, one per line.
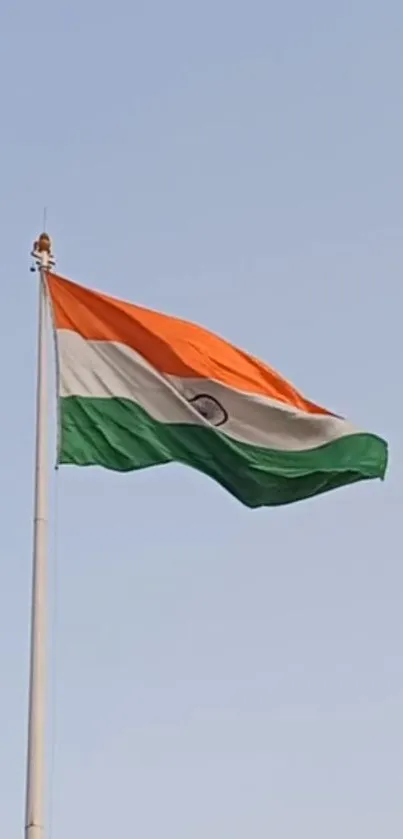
(119,435)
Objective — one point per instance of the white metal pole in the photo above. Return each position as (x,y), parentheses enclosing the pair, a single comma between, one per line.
(35,789)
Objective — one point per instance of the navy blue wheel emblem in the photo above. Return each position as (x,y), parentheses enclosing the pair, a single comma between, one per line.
(209,408)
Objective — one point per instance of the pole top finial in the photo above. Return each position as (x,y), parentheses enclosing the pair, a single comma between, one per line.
(44,244)
(42,252)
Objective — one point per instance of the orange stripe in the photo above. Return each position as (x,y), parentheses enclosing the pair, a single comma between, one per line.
(172,346)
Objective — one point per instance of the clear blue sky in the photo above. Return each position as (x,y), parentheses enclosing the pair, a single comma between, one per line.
(220,672)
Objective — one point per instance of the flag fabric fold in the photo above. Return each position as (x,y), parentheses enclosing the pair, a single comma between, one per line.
(138,388)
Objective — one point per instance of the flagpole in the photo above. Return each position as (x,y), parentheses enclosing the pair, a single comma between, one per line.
(35,783)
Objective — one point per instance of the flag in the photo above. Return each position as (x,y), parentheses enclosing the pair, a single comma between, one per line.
(138,388)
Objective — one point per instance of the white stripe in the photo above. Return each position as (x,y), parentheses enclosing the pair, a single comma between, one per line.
(106,369)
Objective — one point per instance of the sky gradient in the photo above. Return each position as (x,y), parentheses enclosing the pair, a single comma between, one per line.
(214,671)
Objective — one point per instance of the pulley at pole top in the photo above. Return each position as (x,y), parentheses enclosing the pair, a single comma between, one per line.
(42,252)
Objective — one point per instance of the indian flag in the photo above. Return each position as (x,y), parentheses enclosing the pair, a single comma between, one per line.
(138,388)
